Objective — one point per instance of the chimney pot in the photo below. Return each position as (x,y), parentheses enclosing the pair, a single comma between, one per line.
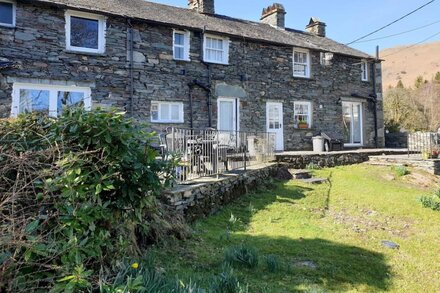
(202,6)
(316,27)
(274,15)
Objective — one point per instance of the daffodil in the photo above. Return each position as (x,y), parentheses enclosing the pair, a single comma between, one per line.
(135,265)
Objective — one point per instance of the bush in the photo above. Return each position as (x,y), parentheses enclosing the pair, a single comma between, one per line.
(272,263)
(241,256)
(401,171)
(431,201)
(227,282)
(79,195)
(313,166)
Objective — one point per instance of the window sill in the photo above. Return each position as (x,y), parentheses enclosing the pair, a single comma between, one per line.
(213,62)
(302,77)
(84,53)
(182,60)
(167,122)
(4,25)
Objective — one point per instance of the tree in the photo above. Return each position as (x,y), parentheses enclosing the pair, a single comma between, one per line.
(437,77)
(419,81)
(400,84)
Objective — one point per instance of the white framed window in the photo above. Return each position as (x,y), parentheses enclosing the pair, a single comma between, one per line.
(49,99)
(181,45)
(302,117)
(326,58)
(85,32)
(166,112)
(7,13)
(216,49)
(364,70)
(301,63)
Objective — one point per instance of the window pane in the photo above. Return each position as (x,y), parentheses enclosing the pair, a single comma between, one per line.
(175,110)
(66,99)
(179,53)
(154,112)
(6,13)
(179,39)
(164,112)
(34,100)
(84,32)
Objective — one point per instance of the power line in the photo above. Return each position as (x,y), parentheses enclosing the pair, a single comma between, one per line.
(398,34)
(391,23)
(413,45)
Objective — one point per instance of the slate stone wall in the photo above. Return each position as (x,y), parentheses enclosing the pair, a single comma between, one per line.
(259,72)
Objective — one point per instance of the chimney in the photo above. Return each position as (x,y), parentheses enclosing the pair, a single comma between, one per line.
(316,27)
(202,6)
(274,15)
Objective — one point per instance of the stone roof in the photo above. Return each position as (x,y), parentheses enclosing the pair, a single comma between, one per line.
(186,18)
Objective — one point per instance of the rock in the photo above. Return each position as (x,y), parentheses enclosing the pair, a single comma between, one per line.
(283,174)
(314,180)
(307,264)
(390,244)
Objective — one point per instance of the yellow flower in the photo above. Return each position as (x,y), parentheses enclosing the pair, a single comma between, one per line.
(135,265)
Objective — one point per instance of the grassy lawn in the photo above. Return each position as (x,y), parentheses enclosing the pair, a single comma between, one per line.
(326,237)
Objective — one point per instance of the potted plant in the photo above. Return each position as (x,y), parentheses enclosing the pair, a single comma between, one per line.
(435,153)
(303,125)
(426,154)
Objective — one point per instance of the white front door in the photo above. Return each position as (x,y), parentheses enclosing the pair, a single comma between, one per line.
(227,119)
(353,125)
(274,118)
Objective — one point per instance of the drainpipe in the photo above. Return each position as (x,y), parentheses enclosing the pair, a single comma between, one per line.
(209,102)
(373,66)
(191,86)
(130,40)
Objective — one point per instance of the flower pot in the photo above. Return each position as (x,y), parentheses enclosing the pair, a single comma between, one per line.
(303,126)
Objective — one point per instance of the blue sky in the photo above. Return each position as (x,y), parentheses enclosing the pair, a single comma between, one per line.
(346,19)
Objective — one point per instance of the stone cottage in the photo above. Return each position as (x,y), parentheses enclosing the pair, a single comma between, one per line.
(180,67)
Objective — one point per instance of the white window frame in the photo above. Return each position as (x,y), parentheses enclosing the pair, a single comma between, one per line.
(101,31)
(364,70)
(159,105)
(308,64)
(225,50)
(186,45)
(14,13)
(53,96)
(309,114)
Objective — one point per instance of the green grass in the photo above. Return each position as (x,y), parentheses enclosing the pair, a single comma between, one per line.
(337,226)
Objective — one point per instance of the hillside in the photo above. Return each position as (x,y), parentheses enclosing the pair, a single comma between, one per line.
(408,64)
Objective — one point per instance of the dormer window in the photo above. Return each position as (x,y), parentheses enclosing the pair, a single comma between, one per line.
(7,13)
(301,63)
(364,70)
(216,49)
(181,45)
(85,32)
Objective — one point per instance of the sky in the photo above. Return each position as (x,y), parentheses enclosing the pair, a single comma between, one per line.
(346,20)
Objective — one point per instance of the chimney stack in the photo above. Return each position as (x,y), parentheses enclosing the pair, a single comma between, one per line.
(316,27)
(202,6)
(274,15)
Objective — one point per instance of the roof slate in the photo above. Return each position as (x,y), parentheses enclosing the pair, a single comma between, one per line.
(181,17)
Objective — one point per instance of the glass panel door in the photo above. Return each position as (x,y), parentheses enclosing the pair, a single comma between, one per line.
(352,119)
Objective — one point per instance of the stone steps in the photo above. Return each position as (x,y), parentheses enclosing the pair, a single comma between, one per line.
(301,174)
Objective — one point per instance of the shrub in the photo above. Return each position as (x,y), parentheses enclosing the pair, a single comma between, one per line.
(431,201)
(79,194)
(272,263)
(401,171)
(313,166)
(227,282)
(241,256)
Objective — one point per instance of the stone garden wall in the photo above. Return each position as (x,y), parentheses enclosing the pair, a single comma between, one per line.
(204,199)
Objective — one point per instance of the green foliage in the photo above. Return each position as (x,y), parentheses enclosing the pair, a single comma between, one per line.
(431,201)
(401,171)
(437,77)
(227,282)
(88,200)
(241,256)
(272,263)
(419,81)
(313,166)
(400,84)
